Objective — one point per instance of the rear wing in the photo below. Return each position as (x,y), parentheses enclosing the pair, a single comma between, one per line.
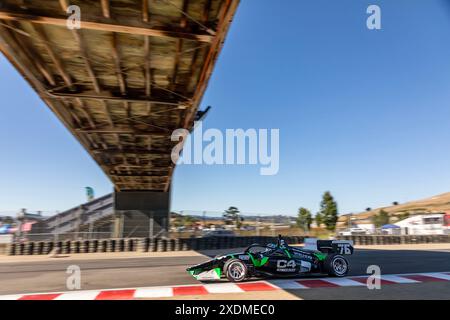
(330,246)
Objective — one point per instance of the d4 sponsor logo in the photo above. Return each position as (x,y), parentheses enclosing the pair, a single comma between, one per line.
(286,266)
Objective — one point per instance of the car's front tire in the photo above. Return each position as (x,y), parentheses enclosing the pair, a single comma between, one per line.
(235,270)
(336,266)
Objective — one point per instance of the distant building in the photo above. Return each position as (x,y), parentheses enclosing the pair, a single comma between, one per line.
(425,224)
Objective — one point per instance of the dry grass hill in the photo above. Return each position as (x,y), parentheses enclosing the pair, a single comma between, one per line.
(436,204)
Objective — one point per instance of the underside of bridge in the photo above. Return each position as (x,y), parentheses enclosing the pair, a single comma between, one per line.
(134,72)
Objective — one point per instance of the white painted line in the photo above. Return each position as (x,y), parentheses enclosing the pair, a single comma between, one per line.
(287,284)
(12,297)
(398,279)
(156,292)
(438,275)
(343,282)
(79,295)
(222,288)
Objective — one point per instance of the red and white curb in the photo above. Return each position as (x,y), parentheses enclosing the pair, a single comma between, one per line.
(204,289)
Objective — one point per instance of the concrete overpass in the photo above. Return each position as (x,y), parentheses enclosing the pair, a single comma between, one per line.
(134,72)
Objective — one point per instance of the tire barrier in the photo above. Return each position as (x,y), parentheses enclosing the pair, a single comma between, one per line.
(185,245)
(29,248)
(22,249)
(162,245)
(121,247)
(84,247)
(152,245)
(39,248)
(389,240)
(48,247)
(155,245)
(12,249)
(131,245)
(177,245)
(170,245)
(93,246)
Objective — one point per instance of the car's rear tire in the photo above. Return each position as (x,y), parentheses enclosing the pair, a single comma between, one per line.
(235,270)
(336,266)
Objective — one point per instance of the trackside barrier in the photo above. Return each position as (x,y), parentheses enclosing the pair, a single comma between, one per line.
(157,245)
(199,244)
(389,240)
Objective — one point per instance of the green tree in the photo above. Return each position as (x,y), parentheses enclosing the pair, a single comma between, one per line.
(381,219)
(188,221)
(329,211)
(319,219)
(232,217)
(304,219)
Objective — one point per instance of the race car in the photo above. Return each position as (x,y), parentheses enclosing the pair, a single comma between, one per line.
(278,260)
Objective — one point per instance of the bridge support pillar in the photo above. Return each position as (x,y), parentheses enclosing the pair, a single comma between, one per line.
(141,214)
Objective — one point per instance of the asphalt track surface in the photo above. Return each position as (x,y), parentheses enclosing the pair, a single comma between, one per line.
(50,276)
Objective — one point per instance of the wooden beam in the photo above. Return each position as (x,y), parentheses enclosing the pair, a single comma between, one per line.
(71,107)
(140,29)
(81,106)
(83,50)
(105,8)
(124,166)
(176,64)
(206,10)
(132,151)
(125,130)
(109,97)
(63,4)
(119,75)
(120,79)
(145,176)
(53,56)
(145,15)
(117,64)
(185,8)
(140,187)
(147,66)
(33,59)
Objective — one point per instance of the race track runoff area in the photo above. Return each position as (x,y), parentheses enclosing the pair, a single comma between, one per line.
(407,273)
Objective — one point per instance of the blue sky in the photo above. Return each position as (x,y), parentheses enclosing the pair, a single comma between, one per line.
(364,114)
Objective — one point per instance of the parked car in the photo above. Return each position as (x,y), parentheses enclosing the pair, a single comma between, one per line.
(218,233)
(354,232)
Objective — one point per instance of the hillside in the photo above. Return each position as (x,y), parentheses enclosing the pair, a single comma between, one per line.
(436,204)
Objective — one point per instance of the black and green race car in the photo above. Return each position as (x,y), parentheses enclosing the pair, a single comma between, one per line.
(279,260)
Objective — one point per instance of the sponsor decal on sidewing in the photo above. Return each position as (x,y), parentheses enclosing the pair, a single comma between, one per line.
(208,275)
(302,256)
